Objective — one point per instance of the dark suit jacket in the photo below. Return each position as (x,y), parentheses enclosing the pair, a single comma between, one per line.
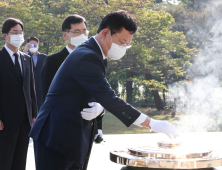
(37,75)
(50,67)
(17,98)
(59,124)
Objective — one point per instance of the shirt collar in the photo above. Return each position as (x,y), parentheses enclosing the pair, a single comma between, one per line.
(69,49)
(35,55)
(10,52)
(104,57)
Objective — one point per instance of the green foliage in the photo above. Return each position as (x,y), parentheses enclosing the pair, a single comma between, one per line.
(152,46)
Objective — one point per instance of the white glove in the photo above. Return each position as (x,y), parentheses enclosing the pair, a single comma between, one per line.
(93,112)
(100,132)
(164,127)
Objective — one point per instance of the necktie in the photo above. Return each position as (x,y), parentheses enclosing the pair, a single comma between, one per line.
(17,66)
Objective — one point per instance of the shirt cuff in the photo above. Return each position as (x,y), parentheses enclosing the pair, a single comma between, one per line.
(24,51)
(140,119)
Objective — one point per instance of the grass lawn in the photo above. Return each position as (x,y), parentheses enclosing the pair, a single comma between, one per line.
(112,125)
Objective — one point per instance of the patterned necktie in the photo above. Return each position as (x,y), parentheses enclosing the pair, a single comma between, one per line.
(17,66)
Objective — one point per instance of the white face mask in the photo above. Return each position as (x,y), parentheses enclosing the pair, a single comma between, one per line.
(34,49)
(78,40)
(116,51)
(16,40)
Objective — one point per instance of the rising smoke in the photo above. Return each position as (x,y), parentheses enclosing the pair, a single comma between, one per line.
(200,97)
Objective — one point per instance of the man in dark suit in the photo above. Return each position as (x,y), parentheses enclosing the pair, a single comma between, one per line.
(18,107)
(75,32)
(38,61)
(61,132)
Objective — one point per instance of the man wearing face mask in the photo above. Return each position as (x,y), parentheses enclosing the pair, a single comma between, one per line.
(81,76)
(75,32)
(18,107)
(38,61)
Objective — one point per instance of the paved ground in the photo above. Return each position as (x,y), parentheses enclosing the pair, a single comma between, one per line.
(100,154)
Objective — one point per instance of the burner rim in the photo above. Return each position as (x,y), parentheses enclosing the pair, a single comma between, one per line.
(121,157)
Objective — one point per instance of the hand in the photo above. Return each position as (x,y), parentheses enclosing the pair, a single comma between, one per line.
(99,137)
(27,47)
(164,127)
(1,125)
(100,132)
(93,112)
(33,120)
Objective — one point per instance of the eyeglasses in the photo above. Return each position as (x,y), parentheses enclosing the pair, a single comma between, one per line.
(123,44)
(16,33)
(77,33)
(33,45)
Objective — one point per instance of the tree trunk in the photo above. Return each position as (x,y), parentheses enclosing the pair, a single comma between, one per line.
(164,98)
(157,100)
(129,88)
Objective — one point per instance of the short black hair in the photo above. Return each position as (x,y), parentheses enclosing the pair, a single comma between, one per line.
(117,20)
(9,23)
(33,38)
(72,19)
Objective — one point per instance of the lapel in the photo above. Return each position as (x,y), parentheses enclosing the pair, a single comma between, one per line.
(10,63)
(24,64)
(64,53)
(39,60)
(30,54)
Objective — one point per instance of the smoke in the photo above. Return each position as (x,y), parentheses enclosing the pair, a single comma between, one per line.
(200,96)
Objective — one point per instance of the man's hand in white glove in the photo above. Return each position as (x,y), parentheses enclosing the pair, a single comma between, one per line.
(99,137)
(91,113)
(161,126)
(100,132)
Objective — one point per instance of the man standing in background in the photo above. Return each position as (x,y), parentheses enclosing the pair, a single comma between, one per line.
(18,107)
(75,32)
(38,61)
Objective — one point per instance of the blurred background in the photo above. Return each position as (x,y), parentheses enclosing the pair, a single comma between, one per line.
(173,70)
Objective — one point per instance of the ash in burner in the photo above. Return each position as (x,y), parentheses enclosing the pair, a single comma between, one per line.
(170,144)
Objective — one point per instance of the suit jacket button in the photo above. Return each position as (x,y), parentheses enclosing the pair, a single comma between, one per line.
(123,113)
(129,117)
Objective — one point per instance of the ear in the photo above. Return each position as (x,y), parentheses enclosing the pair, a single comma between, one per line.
(4,36)
(64,35)
(105,32)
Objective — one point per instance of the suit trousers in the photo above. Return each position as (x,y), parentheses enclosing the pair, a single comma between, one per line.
(39,98)
(14,145)
(48,159)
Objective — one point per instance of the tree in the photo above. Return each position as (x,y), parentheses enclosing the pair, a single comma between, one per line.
(151,61)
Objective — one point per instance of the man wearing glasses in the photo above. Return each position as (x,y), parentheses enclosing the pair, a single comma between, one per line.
(60,130)
(38,61)
(18,107)
(75,33)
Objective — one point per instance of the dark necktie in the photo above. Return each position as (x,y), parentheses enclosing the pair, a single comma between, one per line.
(17,66)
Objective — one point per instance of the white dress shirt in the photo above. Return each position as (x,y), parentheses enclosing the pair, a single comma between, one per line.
(69,49)
(11,53)
(142,116)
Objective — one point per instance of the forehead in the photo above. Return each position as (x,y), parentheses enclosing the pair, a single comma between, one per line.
(16,28)
(124,35)
(78,26)
(33,42)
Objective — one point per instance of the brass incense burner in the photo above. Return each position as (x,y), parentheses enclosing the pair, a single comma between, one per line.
(168,155)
